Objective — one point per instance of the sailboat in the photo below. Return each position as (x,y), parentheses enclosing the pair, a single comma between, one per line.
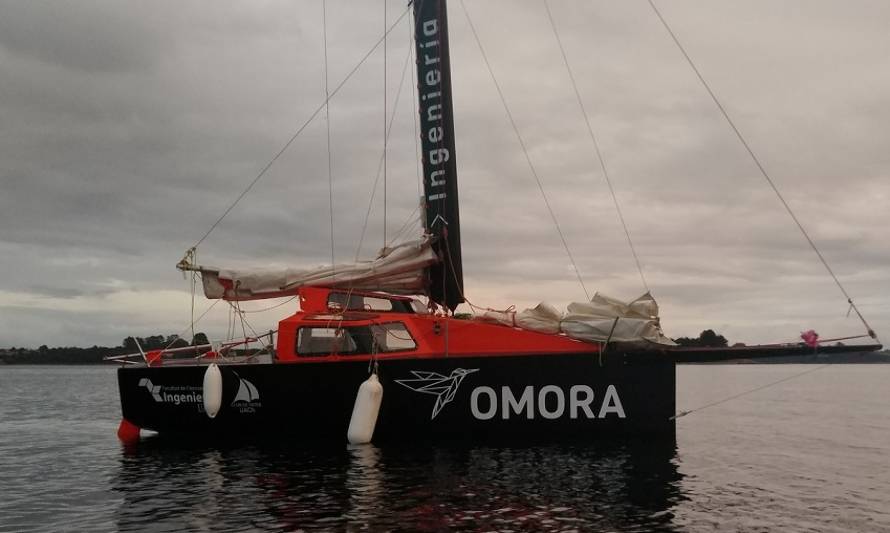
(364,358)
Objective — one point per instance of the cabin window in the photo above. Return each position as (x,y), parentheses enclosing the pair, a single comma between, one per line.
(392,337)
(375,338)
(358,302)
(324,341)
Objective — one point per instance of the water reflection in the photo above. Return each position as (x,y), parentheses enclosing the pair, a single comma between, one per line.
(365,484)
(170,487)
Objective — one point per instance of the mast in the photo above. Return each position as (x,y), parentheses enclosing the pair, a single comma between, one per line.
(437,144)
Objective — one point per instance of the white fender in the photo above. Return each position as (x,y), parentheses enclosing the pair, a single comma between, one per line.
(213,390)
(365,410)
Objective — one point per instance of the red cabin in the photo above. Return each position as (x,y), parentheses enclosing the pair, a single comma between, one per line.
(335,325)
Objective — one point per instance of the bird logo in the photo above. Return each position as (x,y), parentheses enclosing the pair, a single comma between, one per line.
(441,386)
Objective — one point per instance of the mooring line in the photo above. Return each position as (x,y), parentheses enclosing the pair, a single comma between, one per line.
(745,393)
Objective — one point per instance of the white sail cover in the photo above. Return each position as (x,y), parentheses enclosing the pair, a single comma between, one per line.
(396,270)
(600,320)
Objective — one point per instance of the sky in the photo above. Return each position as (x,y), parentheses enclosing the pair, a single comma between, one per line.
(127,129)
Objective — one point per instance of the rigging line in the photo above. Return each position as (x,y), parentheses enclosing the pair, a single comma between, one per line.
(760,166)
(385,128)
(392,119)
(351,286)
(596,146)
(246,322)
(246,339)
(192,325)
(194,284)
(745,393)
(416,115)
(406,226)
(194,289)
(230,332)
(524,149)
(263,310)
(327,118)
(237,306)
(303,127)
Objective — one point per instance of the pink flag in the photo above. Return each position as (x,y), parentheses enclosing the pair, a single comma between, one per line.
(810,338)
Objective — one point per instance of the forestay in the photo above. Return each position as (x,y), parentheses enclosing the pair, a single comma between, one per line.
(399,269)
(603,319)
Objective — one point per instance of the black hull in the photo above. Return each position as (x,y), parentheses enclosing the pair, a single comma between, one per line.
(458,398)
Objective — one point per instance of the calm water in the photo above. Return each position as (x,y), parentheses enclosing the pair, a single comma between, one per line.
(810,454)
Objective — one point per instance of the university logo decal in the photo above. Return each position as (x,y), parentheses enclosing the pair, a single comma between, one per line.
(247,399)
(174,394)
(443,387)
(246,392)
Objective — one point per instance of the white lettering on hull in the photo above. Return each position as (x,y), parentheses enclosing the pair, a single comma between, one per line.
(611,404)
(550,402)
(511,405)
(489,413)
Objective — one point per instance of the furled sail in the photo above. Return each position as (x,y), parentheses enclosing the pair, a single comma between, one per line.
(602,319)
(399,270)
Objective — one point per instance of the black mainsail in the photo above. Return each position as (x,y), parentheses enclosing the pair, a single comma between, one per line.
(437,138)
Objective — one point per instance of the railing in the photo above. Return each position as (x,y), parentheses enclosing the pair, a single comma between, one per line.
(210,351)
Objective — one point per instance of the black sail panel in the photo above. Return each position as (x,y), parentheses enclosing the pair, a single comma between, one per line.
(437,138)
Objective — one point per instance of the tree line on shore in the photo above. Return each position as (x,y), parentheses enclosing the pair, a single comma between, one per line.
(71,355)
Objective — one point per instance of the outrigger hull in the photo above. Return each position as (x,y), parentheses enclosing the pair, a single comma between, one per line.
(454,398)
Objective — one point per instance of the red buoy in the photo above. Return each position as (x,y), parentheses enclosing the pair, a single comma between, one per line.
(128,432)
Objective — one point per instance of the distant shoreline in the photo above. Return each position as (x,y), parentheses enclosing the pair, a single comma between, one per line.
(855,358)
(94,357)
